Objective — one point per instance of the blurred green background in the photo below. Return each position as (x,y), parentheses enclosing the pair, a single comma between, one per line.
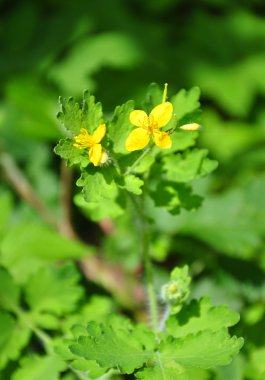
(115,49)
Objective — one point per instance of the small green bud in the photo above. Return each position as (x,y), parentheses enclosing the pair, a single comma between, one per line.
(177,290)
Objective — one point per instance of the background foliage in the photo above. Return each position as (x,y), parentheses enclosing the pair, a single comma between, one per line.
(115,49)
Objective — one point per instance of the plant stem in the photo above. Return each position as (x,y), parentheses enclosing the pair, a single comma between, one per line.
(43,337)
(19,182)
(150,283)
(147,265)
(145,152)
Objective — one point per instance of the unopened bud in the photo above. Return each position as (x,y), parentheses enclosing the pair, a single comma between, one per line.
(191,127)
(177,290)
(104,158)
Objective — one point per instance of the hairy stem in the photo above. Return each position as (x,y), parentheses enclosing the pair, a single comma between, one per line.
(152,299)
(150,283)
(139,159)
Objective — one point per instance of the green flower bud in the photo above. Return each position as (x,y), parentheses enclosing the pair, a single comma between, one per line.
(177,290)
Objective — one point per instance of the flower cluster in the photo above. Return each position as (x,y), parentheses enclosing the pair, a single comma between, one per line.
(148,128)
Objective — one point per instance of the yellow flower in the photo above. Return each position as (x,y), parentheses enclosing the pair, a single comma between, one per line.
(149,127)
(97,154)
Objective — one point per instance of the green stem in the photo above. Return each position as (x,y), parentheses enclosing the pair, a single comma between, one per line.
(139,159)
(79,374)
(43,337)
(153,308)
(150,283)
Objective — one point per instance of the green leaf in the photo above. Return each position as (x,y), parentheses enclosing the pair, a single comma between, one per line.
(145,164)
(98,184)
(181,140)
(160,373)
(107,208)
(187,166)
(185,102)
(39,368)
(75,116)
(54,289)
(224,223)
(174,196)
(66,150)
(226,85)
(9,292)
(13,338)
(100,193)
(133,184)
(29,246)
(88,56)
(45,320)
(198,316)
(116,344)
(96,309)
(205,349)
(90,367)
(235,370)
(256,370)
(120,127)
(154,96)
(30,108)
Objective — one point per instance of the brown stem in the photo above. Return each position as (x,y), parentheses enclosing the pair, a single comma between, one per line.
(17,180)
(128,291)
(66,178)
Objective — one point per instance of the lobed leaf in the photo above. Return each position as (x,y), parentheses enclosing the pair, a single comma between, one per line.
(185,102)
(199,316)
(28,246)
(13,338)
(39,368)
(9,291)
(205,349)
(174,196)
(160,373)
(54,290)
(188,166)
(75,116)
(66,150)
(116,344)
(120,127)
(133,184)
(101,193)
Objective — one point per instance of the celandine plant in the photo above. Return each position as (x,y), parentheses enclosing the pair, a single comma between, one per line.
(139,161)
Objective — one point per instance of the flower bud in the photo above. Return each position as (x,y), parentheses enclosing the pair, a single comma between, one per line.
(191,127)
(177,290)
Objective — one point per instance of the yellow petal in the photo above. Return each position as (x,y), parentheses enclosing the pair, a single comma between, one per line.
(95,153)
(160,115)
(191,127)
(139,118)
(99,133)
(162,139)
(137,139)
